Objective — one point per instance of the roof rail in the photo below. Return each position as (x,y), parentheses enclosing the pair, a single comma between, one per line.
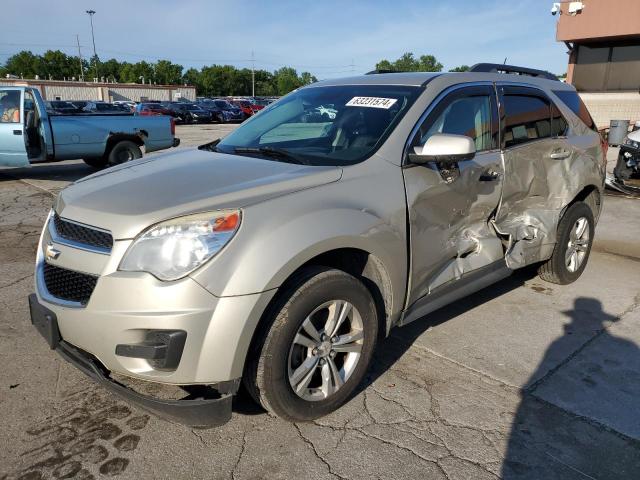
(375,72)
(500,68)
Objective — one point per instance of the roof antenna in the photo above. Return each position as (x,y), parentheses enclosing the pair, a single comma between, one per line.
(505,61)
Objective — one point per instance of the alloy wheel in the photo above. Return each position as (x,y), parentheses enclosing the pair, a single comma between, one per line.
(325,350)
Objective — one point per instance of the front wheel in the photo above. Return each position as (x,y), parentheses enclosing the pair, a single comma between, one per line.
(573,246)
(317,348)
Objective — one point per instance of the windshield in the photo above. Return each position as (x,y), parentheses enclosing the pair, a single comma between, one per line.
(337,125)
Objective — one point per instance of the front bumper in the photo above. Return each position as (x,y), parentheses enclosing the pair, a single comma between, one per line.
(125,308)
(198,412)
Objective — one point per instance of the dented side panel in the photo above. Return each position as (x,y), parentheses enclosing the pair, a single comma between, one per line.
(540,182)
(450,232)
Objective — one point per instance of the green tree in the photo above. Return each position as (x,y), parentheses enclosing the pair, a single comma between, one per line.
(461,68)
(24,64)
(110,70)
(167,73)
(306,78)
(409,63)
(192,77)
(286,80)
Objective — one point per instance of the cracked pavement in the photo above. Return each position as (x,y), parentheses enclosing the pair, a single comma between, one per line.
(523,380)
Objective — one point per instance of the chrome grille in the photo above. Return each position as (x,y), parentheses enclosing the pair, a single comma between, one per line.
(68,284)
(85,235)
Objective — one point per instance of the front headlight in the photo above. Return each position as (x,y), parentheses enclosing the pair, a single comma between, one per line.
(172,249)
(632,143)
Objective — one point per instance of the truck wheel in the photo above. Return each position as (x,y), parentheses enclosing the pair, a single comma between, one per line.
(316,346)
(123,151)
(573,246)
(96,162)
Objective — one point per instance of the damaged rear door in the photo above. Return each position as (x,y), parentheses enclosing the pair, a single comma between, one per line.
(450,209)
(538,175)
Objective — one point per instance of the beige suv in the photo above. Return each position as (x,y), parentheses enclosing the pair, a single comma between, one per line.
(280,255)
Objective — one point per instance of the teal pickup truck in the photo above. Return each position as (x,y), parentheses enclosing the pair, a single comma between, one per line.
(29,134)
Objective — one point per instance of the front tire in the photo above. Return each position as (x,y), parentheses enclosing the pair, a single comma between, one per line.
(316,347)
(573,246)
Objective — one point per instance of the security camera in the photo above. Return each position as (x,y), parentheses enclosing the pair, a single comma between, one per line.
(555,8)
(575,8)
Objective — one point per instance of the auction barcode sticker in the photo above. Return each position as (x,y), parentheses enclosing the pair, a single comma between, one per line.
(371,102)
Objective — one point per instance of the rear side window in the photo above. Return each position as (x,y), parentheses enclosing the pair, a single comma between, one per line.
(572,100)
(527,119)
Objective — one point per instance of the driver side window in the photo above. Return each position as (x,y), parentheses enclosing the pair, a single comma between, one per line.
(467,112)
(10,106)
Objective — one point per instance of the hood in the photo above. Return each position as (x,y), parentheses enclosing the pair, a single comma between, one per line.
(635,136)
(129,198)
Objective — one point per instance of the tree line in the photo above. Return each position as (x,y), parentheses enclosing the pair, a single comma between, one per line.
(213,80)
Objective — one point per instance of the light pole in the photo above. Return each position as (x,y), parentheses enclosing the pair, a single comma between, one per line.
(91,13)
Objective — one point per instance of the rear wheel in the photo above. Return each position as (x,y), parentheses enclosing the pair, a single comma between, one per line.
(573,246)
(317,347)
(122,152)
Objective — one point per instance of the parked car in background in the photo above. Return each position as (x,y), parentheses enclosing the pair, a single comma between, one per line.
(189,113)
(149,109)
(101,140)
(248,108)
(128,103)
(105,108)
(79,103)
(281,255)
(217,114)
(230,113)
(60,106)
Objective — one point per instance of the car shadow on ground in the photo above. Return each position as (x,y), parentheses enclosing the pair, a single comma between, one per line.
(389,351)
(68,171)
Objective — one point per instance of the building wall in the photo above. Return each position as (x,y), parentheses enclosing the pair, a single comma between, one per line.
(50,89)
(600,19)
(605,107)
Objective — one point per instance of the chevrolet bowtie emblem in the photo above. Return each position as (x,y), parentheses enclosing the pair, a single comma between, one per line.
(51,253)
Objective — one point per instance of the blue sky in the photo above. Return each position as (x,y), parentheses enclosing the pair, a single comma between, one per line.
(325,37)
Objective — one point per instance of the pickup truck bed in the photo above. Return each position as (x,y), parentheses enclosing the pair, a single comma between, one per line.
(36,136)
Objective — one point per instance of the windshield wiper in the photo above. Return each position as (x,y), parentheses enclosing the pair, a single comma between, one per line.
(271,152)
(211,146)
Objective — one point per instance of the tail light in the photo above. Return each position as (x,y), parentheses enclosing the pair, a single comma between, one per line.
(173,126)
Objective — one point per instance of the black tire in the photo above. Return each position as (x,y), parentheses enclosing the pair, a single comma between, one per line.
(97,162)
(555,270)
(266,373)
(221,118)
(123,151)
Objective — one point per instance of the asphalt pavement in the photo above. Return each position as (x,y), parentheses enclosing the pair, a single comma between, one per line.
(522,380)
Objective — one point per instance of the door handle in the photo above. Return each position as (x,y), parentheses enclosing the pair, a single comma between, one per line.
(17,132)
(560,154)
(489,176)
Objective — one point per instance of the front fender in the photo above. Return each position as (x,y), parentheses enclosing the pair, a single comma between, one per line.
(265,253)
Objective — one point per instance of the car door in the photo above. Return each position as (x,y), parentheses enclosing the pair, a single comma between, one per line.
(538,173)
(13,150)
(450,209)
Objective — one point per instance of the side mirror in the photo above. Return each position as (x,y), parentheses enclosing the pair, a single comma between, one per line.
(444,148)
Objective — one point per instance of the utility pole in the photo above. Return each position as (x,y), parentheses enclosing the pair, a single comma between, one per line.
(91,13)
(353,66)
(80,57)
(253,74)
